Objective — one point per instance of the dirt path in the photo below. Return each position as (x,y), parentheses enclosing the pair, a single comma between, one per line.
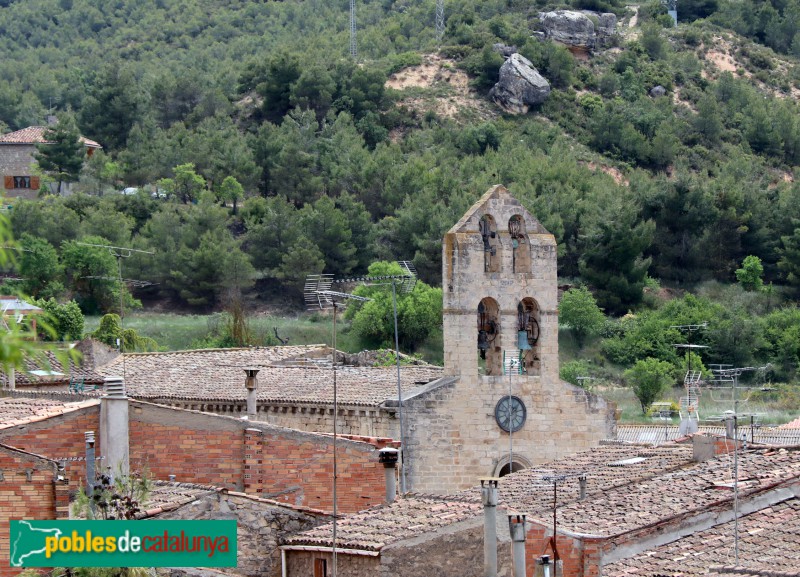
(635,18)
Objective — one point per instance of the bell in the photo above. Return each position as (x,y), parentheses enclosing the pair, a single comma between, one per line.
(483,343)
(522,341)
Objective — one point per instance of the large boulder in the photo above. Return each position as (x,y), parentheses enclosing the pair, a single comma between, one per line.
(581,29)
(520,86)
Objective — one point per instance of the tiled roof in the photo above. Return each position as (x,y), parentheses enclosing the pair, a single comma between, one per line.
(693,488)
(21,411)
(373,529)
(34,135)
(525,491)
(168,495)
(217,374)
(53,374)
(657,434)
(791,424)
(530,490)
(769,539)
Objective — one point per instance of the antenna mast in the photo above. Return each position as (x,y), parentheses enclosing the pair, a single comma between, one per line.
(353,44)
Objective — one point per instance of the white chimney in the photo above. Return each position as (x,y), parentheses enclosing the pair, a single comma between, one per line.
(114,427)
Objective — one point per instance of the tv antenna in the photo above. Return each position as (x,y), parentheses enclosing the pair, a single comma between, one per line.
(731,419)
(353,43)
(319,294)
(119,252)
(692,380)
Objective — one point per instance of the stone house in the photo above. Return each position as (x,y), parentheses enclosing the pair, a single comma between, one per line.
(17,161)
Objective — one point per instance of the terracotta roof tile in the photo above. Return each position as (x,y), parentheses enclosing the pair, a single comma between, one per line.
(284,377)
(768,545)
(169,495)
(691,488)
(21,411)
(791,424)
(58,374)
(524,491)
(35,135)
(658,434)
(373,529)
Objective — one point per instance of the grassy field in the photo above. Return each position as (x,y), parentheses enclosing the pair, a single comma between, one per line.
(174,332)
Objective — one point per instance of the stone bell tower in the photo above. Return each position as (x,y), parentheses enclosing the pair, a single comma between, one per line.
(500,291)
(501,406)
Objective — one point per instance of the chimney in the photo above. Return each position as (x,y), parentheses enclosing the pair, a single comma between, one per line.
(516,526)
(251,384)
(702,448)
(388,457)
(582,483)
(12,379)
(114,427)
(730,424)
(90,473)
(489,496)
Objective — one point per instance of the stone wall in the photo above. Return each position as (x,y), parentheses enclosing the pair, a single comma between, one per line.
(353,420)
(453,438)
(260,527)
(301,564)
(16,160)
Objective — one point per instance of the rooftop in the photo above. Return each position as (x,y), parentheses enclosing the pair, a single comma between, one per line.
(168,495)
(768,539)
(373,529)
(681,491)
(53,372)
(21,411)
(35,135)
(291,374)
(525,491)
(787,434)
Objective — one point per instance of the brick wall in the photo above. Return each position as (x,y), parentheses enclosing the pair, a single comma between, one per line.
(570,549)
(16,160)
(281,464)
(60,437)
(26,492)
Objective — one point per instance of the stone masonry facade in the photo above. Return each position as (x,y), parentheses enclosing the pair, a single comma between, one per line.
(261,525)
(453,438)
(16,160)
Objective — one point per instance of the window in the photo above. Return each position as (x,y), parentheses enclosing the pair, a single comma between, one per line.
(320,568)
(29,182)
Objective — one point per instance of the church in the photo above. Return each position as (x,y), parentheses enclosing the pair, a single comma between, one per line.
(497,406)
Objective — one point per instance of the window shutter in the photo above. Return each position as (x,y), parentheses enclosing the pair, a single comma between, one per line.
(34,182)
(9,182)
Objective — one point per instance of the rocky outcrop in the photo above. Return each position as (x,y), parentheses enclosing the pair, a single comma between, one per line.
(504,50)
(520,86)
(580,29)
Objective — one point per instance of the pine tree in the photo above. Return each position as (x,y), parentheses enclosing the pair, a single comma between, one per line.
(62,153)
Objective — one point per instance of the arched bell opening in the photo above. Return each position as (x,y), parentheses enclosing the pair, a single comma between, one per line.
(520,246)
(528,335)
(491,243)
(490,355)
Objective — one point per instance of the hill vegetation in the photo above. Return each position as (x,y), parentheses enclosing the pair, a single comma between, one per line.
(262,152)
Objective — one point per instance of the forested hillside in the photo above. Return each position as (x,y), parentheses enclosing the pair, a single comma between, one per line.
(263,152)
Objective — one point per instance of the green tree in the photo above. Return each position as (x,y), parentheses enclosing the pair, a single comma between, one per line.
(751,273)
(302,259)
(327,226)
(113,105)
(789,262)
(40,267)
(186,185)
(419,312)
(110,332)
(571,370)
(649,379)
(62,154)
(231,191)
(66,320)
(580,312)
